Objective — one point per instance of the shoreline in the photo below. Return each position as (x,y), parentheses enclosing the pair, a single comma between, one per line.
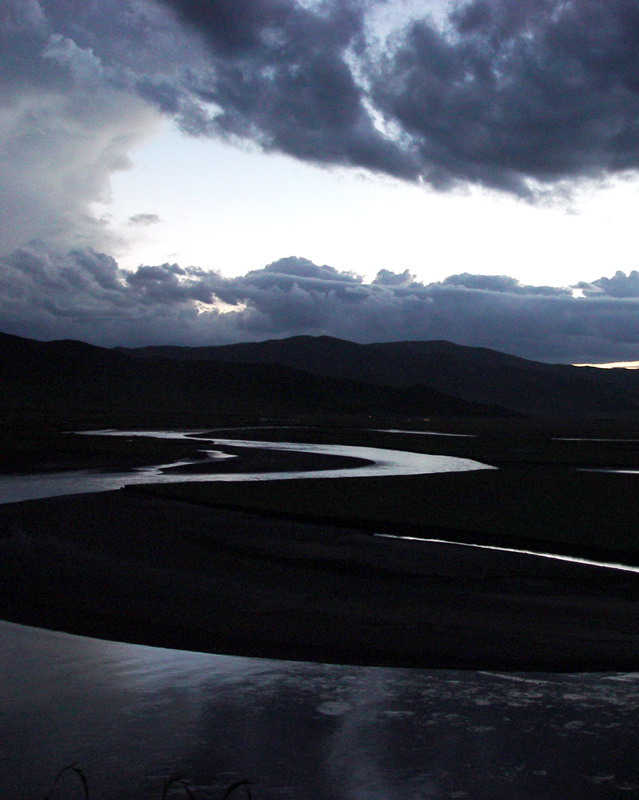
(130,566)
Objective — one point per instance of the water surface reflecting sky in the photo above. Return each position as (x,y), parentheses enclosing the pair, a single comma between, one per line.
(130,716)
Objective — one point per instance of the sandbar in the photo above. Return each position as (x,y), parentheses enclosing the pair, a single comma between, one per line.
(139,568)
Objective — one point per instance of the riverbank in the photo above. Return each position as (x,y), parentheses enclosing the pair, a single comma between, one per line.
(151,570)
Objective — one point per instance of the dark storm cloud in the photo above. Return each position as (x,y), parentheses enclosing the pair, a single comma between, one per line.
(523,96)
(513,91)
(281,76)
(506,94)
(85,295)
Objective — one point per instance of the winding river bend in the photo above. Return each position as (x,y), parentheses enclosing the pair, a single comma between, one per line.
(380,462)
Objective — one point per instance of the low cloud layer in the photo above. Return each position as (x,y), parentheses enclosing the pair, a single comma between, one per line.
(85,295)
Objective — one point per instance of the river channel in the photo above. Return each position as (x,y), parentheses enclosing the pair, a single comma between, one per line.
(131,716)
(14,488)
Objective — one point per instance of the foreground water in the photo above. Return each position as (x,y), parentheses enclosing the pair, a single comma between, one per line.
(131,716)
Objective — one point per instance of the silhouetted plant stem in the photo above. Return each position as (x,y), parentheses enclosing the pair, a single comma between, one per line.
(78,772)
(178,781)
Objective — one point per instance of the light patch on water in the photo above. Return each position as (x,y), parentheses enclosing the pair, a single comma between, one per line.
(600,779)
(333,708)
(424,433)
(554,556)
(611,471)
(128,713)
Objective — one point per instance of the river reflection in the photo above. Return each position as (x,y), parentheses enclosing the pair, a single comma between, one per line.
(130,716)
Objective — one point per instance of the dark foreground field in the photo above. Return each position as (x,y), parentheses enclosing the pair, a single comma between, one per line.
(291,569)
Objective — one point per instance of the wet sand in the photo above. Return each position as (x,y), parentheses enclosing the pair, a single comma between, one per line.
(144,569)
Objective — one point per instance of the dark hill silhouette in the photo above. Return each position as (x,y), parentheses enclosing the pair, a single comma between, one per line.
(73,375)
(474,374)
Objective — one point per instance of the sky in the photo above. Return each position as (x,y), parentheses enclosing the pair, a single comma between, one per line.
(203,172)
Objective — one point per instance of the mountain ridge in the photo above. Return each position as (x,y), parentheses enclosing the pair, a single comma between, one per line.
(474,374)
(76,375)
(321,373)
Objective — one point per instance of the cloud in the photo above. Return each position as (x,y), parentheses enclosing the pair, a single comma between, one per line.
(144,219)
(86,295)
(514,93)
(620,285)
(513,96)
(500,283)
(71,112)
(66,126)
(283,75)
(386,277)
(523,97)
(296,267)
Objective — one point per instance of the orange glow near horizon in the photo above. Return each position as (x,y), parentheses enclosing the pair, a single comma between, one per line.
(613,365)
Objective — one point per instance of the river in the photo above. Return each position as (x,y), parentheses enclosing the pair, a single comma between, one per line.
(132,716)
(14,488)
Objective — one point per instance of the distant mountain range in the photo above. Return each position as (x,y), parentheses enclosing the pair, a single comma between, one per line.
(73,377)
(305,373)
(473,374)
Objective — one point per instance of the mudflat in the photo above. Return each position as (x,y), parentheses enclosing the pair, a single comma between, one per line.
(147,569)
